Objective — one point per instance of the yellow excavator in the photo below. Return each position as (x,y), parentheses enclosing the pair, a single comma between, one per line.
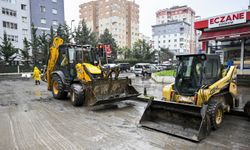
(72,69)
(196,102)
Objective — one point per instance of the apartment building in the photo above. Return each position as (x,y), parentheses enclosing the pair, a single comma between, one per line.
(120,17)
(172,35)
(174,29)
(46,13)
(15,21)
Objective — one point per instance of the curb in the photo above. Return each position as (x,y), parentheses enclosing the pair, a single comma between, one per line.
(163,79)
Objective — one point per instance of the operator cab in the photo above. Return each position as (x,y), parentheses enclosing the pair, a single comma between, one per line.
(195,71)
(70,55)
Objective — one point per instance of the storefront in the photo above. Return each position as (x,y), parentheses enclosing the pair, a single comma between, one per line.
(229,36)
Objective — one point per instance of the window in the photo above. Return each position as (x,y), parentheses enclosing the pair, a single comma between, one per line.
(8,12)
(25,31)
(10,1)
(9,25)
(164,41)
(42,9)
(181,29)
(54,1)
(55,23)
(23,6)
(24,19)
(175,40)
(12,38)
(181,39)
(54,11)
(212,68)
(43,21)
(169,40)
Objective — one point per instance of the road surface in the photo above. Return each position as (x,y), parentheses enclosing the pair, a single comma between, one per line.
(31,119)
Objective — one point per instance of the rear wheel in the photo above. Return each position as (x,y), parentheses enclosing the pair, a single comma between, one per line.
(58,90)
(216,113)
(77,95)
(247,109)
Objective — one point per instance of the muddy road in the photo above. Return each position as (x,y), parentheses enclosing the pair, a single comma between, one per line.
(31,119)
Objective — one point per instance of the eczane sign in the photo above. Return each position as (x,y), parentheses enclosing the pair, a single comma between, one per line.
(227,19)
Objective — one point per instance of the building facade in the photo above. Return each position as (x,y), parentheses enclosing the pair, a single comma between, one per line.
(15,21)
(179,19)
(172,35)
(120,17)
(228,35)
(46,13)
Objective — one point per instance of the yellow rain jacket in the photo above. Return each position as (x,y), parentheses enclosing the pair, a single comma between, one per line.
(36,74)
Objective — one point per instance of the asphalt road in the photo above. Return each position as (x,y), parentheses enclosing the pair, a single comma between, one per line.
(31,119)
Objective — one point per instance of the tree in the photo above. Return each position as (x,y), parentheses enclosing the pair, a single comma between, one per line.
(125,52)
(83,35)
(106,38)
(63,32)
(34,44)
(44,46)
(25,50)
(142,51)
(165,54)
(51,36)
(7,50)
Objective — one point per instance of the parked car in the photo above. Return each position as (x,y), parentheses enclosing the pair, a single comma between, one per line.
(110,65)
(144,69)
(155,68)
(124,66)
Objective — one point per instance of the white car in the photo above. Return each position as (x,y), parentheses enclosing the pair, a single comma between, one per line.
(110,65)
(142,69)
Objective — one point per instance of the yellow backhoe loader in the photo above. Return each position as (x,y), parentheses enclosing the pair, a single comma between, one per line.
(71,69)
(196,102)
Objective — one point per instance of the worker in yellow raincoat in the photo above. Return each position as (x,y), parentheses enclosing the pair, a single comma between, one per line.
(37,75)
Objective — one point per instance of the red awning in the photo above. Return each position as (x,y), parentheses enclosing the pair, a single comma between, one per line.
(226,34)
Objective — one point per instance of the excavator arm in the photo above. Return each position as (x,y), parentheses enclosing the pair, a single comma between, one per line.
(53,56)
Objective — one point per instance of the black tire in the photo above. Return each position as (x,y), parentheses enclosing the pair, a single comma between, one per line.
(77,95)
(137,75)
(216,113)
(60,92)
(247,109)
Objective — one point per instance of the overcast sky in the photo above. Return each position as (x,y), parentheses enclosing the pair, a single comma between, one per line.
(203,8)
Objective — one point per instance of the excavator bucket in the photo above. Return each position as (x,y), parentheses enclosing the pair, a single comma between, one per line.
(187,121)
(105,91)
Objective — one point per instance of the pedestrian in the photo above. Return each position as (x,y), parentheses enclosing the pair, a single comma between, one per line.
(230,62)
(37,75)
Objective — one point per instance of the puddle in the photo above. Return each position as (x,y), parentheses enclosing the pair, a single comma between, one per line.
(9,103)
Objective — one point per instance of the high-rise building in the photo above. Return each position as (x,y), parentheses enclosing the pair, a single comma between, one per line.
(120,17)
(46,13)
(174,29)
(15,21)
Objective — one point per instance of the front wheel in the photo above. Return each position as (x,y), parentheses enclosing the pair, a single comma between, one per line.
(77,95)
(58,89)
(216,113)
(247,109)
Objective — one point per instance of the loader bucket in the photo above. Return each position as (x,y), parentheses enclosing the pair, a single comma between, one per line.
(109,91)
(187,121)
